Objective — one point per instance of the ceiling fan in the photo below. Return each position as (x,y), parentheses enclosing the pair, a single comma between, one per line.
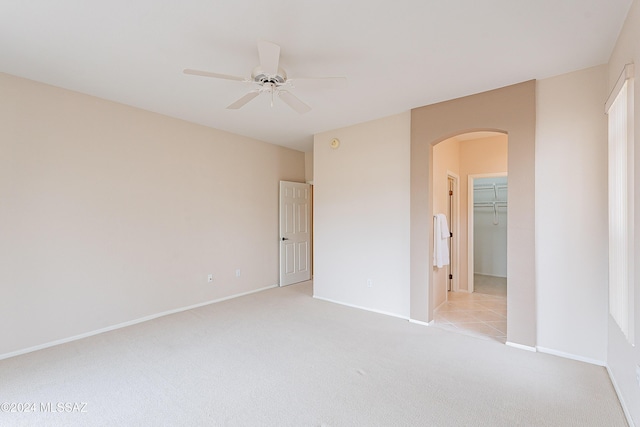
(269,78)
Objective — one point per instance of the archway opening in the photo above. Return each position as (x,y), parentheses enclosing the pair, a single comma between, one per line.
(457,161)
(509,110)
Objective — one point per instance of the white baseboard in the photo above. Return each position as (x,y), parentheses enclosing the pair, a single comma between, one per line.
(627,414)
(571,356)
(520,346)
(386,313)
(125,324)
(420,322)
(440,305)
(490,275)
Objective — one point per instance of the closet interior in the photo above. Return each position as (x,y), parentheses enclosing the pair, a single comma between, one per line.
(490,226)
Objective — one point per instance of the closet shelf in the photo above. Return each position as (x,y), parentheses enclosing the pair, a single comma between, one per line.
(497,203)
(490,187)
(493,204)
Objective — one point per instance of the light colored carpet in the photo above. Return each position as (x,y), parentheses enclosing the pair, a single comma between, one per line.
(282,358)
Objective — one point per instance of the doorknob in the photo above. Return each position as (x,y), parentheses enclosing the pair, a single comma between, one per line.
(285,238)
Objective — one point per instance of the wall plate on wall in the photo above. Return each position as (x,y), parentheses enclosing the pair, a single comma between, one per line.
(335,143)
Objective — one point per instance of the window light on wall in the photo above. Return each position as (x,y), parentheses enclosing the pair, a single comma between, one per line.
(619,108)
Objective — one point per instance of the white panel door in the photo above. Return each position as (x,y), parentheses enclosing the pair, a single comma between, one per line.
(295,232)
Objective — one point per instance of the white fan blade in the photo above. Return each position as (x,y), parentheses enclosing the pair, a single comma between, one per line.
(294,102)
(242,101)
(322,82)
(215,75)
(269,57)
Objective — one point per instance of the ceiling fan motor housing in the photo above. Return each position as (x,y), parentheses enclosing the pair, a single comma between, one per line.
(260,77)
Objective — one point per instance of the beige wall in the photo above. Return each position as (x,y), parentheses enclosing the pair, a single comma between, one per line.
(308,166)
(446,159)
(510,110)
(110,214)
(623,359)
(361,215)
(571,214)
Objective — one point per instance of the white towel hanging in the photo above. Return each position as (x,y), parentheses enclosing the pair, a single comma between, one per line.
(440,241)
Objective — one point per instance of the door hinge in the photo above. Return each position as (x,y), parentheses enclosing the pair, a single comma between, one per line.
(451,192)
(451,277)
(451,234)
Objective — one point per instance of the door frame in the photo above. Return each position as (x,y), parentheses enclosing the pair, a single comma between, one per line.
(470,260)
(455,240)
(283,235)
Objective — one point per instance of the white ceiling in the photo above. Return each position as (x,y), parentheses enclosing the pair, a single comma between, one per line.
(396,55)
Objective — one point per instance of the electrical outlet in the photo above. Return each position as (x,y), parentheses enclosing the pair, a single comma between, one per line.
(238,273)
(369,283)
(210,278)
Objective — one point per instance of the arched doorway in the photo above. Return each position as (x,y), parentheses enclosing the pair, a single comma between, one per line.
(509,110)
(457,308)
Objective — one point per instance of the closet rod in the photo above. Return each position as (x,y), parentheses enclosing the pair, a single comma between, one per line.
(490,204)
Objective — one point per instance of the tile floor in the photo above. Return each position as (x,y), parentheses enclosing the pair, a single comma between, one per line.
(482,314)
